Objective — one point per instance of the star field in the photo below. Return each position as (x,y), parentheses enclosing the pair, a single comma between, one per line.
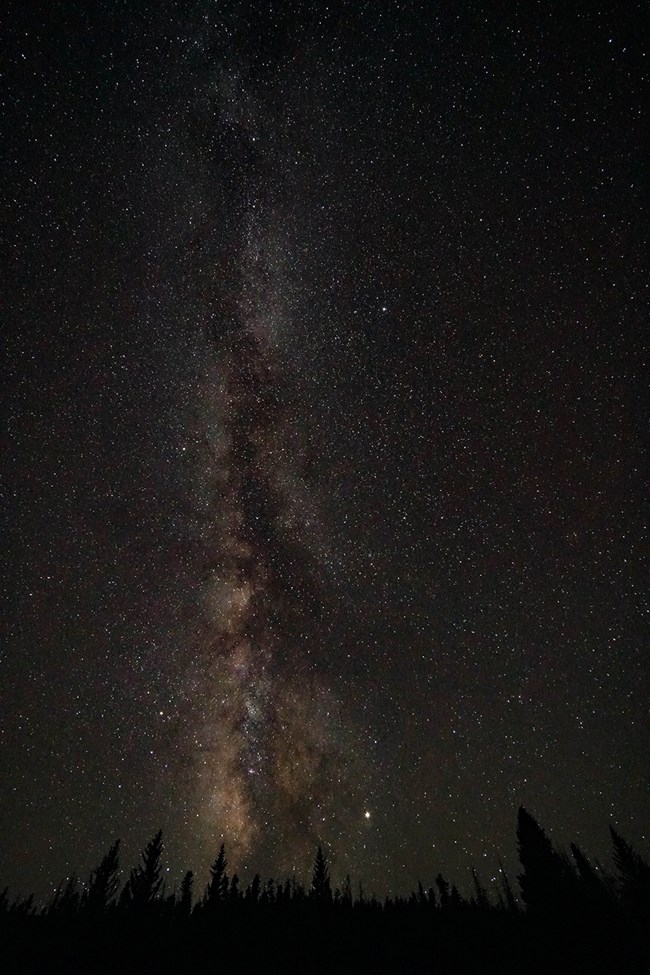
(324,461)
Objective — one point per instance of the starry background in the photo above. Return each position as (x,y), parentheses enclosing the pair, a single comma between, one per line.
(400,250)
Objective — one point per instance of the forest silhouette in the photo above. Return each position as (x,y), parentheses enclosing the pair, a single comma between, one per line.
(565,913)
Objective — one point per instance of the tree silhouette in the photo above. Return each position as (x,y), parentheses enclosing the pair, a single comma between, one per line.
(633,873)
(66,900)
(103,883)
(185,898)
(421,897)
(480,894)
(577,919)
(217,888)
(268,894)
(23,907)
(505,890)
(346,892)
(455,899)
(547,883)
(443,891)
(321,888)
(253,889)
(145,882)
(593,891)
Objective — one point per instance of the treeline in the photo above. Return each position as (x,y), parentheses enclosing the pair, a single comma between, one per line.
(564,913)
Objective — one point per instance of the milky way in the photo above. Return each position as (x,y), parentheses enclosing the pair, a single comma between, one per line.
(277,764)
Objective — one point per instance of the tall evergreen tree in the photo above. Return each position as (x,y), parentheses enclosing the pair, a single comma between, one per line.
(253,889)
(633,873)
(103,883)
(593,891)
(321,888)
(217,888)
(480,894)
(509,900)
(145,882)
(233,890)
(185,898)
(268,894)
(547,883)
(346,892)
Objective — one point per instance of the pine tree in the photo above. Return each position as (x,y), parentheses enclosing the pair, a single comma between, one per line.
(103,883)
(145,882)
(23,906)
(592,887)
(481,896)
(547,882)
(268,894)
(455,899)
(633,873)
(443,890)
(346,892)
(185,899)
(253,890)
(320,885)
(66,900)
(217,888)
(509,899)
(233,890)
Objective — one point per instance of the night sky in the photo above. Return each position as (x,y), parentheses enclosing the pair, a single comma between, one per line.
(324,429)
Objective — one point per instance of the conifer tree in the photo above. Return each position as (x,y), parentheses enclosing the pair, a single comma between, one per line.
(592,886)
(268,894)
(481,896)
(66,899)
(509,900)
(103,883)
(547,882)
(346,892)
(443,890)
(633,873)
(233,890)
(253,890)
(320,885)
(145,882)
(217,888)
(185,898)
(455,899)
(23,906)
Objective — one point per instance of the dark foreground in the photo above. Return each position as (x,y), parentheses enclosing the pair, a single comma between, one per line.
(359,939)
(570,916)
